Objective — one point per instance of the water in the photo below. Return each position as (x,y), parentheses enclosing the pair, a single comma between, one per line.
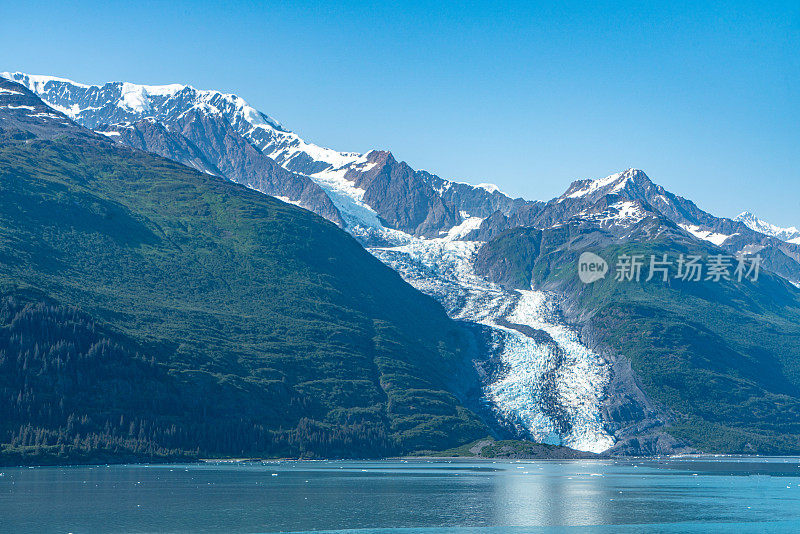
(742,495)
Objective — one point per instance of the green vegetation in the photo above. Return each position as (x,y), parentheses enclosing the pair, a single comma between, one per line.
(510,258)
(150,311)
(723,358)
(510,449)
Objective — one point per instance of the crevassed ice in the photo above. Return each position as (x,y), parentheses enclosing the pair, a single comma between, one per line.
(581,378)
(553,393)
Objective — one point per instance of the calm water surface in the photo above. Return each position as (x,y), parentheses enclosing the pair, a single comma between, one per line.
(708,495)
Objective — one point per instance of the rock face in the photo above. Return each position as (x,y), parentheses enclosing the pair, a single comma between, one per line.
(152,136)
(23,111)
(476,201)
(209,144)
(403,197)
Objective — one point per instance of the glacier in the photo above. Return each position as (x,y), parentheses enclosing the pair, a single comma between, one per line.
(550,386)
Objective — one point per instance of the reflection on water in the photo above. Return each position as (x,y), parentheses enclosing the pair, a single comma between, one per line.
(549,494)
(585,495)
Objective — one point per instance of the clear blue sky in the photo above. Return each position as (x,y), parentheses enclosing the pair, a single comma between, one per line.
(705,97)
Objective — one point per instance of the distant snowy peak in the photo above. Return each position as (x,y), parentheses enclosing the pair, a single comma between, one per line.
(123,102)
(790,235)
(114,102)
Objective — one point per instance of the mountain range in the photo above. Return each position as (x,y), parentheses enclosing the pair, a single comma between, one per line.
(623,368)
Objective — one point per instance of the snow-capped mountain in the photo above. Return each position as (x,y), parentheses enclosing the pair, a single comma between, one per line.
(540,377)
(202,129)
(118,102)
(424,205)
(634,185)
(790,235)
(624,201)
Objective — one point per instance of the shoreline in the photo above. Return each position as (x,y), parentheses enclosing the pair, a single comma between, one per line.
(427,459)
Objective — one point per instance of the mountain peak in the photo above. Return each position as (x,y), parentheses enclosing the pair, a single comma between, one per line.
(38,80)
(124,102)
(379,157)
(790,234)
(490,188)
(635,174)
(612,184)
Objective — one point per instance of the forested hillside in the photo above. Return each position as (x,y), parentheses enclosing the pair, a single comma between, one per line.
(152,310)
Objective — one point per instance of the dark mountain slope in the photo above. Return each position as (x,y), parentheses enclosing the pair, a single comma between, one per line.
(176,312)
(403,197)
(208,143)
(21,110)
(151,136)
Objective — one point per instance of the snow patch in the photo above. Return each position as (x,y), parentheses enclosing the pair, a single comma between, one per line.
(491,188)
(38,81)
(284,199)
(623,213)
(706,235)
(71,111)
(464,228)
(598,184)
(628,210)
(134,98)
